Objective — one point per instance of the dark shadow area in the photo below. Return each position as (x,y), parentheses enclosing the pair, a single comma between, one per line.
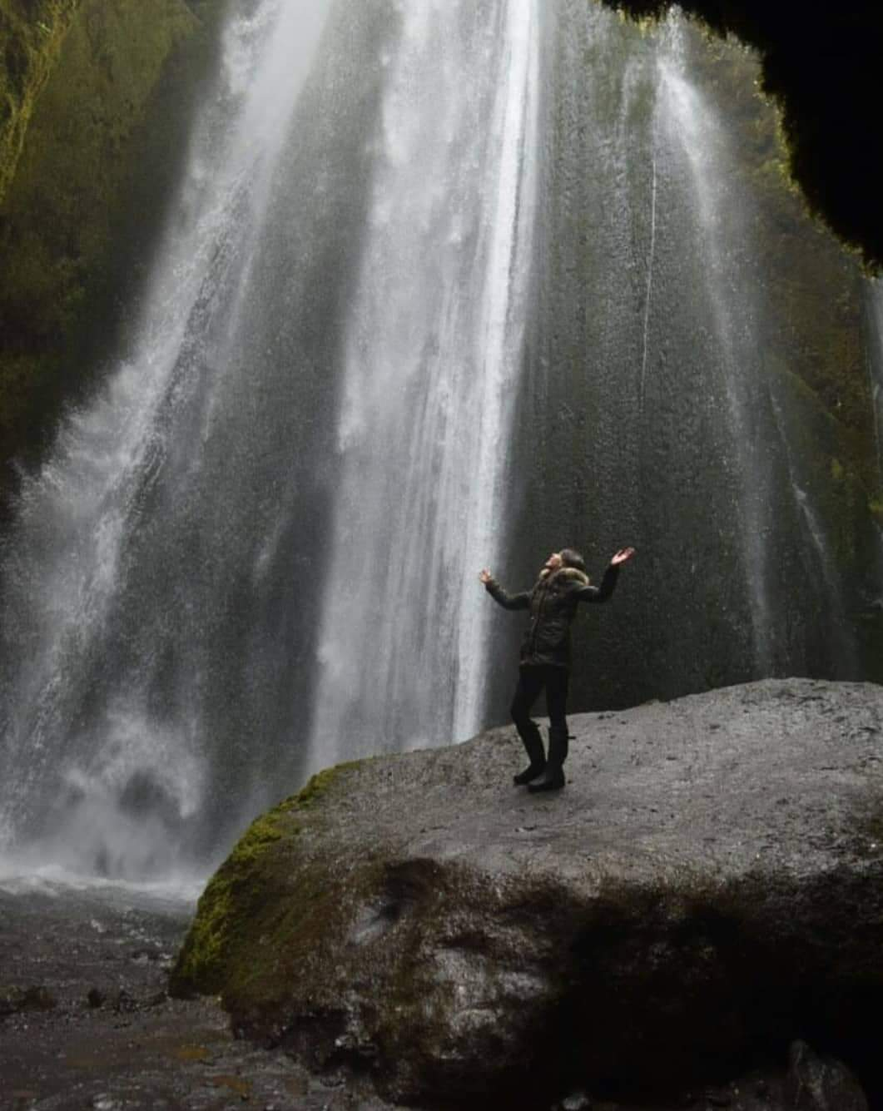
(684,996)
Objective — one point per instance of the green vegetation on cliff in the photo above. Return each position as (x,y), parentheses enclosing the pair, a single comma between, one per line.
(822,66)
(97,97)
(235,899)
(31,35)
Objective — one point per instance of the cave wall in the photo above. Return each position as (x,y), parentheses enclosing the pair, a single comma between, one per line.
(96,97)
(822,67)
(31,32)
(590,473)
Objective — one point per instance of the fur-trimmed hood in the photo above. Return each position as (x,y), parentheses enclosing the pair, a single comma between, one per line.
(566,574)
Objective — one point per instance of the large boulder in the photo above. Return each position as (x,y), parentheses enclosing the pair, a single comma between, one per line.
(705,891)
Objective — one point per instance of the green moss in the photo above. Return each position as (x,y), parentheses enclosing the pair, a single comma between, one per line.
(82,191)
(32,43)
(225,906)
(319,784)
(241,898)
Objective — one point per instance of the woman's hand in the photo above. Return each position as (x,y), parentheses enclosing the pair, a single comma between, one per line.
(622,556)
(485,576)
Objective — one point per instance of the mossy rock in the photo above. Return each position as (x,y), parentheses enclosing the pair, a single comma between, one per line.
(235,899)
(704,890)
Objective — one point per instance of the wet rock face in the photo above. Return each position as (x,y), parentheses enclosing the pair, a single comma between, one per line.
(16,1000)
(95,99)
(704,893)
(823,69)
(814,1082)
(31,42)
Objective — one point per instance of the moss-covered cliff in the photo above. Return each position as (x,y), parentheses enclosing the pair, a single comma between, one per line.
(96,96)
(822,65)
(31,34)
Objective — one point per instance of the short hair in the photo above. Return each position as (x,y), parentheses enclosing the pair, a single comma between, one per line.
(570,557)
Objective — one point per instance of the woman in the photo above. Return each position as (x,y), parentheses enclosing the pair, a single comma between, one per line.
(545,654)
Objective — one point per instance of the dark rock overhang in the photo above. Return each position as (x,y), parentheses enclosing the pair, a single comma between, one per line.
(824,68)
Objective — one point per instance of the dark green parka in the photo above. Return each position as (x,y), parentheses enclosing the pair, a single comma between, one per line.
(552,603)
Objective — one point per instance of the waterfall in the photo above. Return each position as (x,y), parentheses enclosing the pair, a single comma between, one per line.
(432,359)
(690,123)
(875,375)
(446,285)
(106,622)
(297,470)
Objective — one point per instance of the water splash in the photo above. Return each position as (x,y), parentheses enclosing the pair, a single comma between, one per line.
(432,357)
(73,714)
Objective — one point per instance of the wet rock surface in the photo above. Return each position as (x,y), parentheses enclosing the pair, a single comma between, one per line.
(702,903)
(824,74)
(86,1022)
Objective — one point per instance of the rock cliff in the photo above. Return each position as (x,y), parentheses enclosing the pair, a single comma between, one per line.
(95,101)
(705,893)
(822,67)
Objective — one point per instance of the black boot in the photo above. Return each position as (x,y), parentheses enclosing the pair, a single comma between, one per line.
(533,744)
(552,778)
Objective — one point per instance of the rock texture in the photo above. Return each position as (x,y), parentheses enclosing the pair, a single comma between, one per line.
(31,34)
(822,67)
(705,891)
(803,378)
(95,102)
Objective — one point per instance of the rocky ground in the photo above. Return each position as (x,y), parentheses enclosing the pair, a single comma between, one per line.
(86,1021)
(694,922)
(86,1024)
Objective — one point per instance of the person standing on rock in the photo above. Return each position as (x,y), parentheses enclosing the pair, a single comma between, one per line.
(545,654)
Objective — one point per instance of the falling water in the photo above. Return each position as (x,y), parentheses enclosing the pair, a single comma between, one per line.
(166,575)
(687,120)
(446,284)
(97,748)
(875,374)
(433,343)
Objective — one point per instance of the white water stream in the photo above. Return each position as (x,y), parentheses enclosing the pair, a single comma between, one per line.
(433,348)
(255,552)
(685,118)
(65,563)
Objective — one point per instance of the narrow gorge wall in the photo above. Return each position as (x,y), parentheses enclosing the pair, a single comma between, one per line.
(824,73)
(32,36)
(97,98)
(696,383)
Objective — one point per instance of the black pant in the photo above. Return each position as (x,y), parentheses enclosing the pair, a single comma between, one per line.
(531,681)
